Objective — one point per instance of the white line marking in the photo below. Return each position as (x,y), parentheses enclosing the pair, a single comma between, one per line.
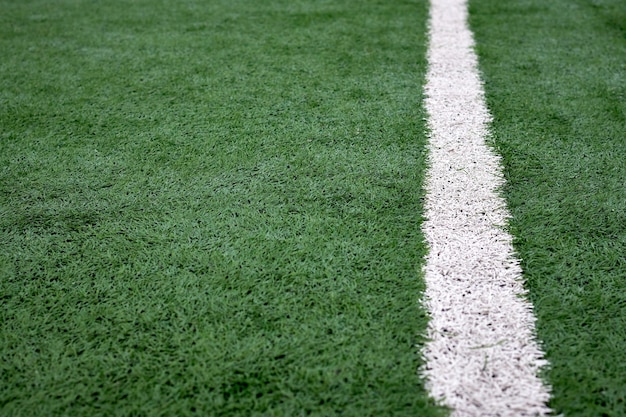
(482,359)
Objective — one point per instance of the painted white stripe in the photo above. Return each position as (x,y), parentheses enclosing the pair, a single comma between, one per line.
(482,359)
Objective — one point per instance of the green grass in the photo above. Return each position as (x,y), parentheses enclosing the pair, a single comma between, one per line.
(211,208)
(555,77)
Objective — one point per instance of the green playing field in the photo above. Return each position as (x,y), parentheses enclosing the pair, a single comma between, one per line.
(214,207)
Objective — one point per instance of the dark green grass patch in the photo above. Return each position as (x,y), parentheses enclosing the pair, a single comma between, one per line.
(211,208)
(555,76)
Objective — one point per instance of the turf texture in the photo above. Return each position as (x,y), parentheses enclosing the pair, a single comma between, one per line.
(211,208)
(555,78)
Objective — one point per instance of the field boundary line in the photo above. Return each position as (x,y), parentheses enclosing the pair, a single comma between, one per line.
(481,358)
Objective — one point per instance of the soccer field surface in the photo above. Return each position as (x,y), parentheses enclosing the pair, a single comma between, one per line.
(213,207)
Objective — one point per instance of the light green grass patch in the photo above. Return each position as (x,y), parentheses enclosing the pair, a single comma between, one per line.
(211,208)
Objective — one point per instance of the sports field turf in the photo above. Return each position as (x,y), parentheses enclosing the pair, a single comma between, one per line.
(214,207)
(555,76)
(211,208)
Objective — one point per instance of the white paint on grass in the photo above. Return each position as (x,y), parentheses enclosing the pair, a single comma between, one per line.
(482,359)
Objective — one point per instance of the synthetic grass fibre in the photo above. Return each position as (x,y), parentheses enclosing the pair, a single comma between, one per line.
(555,82)
(211,208)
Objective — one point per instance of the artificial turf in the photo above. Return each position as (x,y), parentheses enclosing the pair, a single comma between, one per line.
(211,208)
(555,79)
